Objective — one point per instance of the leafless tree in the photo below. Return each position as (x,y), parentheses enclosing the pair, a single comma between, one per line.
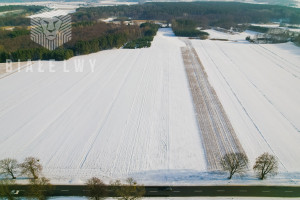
(266,164)
(38,188)
(31,167)
(128,191)
(9,167)
(97,189)
(234,163)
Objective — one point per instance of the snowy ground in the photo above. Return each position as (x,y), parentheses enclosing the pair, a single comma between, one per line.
(132,114)
(236,37)
(259,87)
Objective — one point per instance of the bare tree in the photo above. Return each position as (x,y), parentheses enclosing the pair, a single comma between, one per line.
(97,189)
(129,191)
(31,167)
(234,163)
(9,167)
(5,189)
(266,164)
(39,188)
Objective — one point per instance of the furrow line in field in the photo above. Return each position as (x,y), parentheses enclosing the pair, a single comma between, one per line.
(278,57)
(125,132)
(141,109)
(91,83)
(26,94)
(94,138)
(241,104)
(283,67)
(257,88)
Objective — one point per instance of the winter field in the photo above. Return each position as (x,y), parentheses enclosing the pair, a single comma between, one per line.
(130,113)
(259,87)
(132,116)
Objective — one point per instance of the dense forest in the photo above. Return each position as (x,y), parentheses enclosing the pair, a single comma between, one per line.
(259,29)
(187,28)
(28,9)
(88,38)
(17,19)
(91,35)
(150,30)
(222,14)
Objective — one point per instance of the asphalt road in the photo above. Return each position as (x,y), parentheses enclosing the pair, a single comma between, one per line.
(185,191)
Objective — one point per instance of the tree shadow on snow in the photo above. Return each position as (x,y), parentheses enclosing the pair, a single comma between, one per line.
(193,177)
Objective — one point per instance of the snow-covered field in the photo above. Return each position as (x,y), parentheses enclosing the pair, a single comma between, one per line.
(236,37)
(259,87)
(130,112)
(132,116)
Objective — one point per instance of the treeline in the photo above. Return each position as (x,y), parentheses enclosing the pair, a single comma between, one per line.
(80,48)
(139,43)
(105,42)
(222,14)
(18,19)
(187,28)
(258,29)
(36,54)
(93,30)
(29,9)
(150,31)
(19,37)
(87,37)
(17,46)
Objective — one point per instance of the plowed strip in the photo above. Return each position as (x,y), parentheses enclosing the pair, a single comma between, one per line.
(216,131)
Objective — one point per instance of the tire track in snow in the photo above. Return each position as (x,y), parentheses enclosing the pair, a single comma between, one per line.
(80,83)
(94,77)
(106,117)
(257,88)
(149,84)
(276,56)
(124,133)
(27,123)
(279,65)
(166,78)
(135,137)
(9,104)
(49,124)
(242,106)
